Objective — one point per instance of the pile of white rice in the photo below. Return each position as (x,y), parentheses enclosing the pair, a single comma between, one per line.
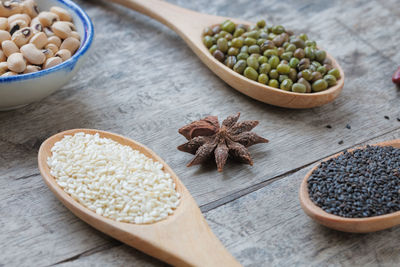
(113,180)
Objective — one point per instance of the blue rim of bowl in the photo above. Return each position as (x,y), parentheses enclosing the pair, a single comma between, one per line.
(70,63)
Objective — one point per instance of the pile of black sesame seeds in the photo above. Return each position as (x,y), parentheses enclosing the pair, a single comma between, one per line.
(358,184)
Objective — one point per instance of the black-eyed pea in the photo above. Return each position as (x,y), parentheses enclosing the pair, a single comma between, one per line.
(32,54)
(22,36)
(48,53)
(48,32)
(75,35)
(15,17)
(9,47)
(4,35)
(3,67)
(64,54)
(39,40)
(51,62)
(71,44)
(9,73)
(71,25)
(3,57)
(30,7)
(61,12)
(47,18)
(32,68)
(16,25)
(54,40)
(61,29)
(36,25)
(52,47)
(16,62)
(8,8)
(3,23)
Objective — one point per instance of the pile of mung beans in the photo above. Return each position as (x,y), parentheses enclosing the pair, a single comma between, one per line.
(32,41)
(272,56)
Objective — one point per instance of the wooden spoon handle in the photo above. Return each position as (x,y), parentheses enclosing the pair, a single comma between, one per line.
(183,21)
(189,241)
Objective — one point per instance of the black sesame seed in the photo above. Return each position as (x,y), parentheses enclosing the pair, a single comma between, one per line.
(340,142)
(357,184)
(387,117)
(398,119)
(348,126)
(329,126)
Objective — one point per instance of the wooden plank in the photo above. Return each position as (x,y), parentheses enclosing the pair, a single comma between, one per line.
(142,81)
(140,100)
(269,228)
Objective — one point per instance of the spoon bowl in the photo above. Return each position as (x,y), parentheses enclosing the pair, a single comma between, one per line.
(351,225)
(190,25)
(182,239)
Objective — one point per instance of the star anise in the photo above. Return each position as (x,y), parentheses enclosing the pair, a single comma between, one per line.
(206,137)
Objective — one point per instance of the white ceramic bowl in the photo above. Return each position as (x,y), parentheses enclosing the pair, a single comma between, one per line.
(20,90)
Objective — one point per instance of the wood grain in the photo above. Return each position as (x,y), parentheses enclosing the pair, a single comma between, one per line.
(142,81)
(257,231)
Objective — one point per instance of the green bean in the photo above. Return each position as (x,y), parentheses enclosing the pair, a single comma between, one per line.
(306,84)
(242,55)
(294,62)
(222,45)
(299,88)
(320,55)
(319,85)
(265,68)
(262,59)
(274,61)
(230,61)
(251,73)
(261,24)
(237,42)
(283,69)
(208,41)
(233,51)
(212,49)
(335,72)
(228,26)
(253,62)
(287,56)
(254,49)
(286,85)
(273,83)
(273,74)
(330,79)
(263,78)
(240,66)
(219,55)
(250,41)
(270,52)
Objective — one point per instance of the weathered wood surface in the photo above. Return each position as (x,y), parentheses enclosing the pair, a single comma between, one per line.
(143,82)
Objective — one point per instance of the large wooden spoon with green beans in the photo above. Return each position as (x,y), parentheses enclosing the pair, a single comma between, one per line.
(191,25)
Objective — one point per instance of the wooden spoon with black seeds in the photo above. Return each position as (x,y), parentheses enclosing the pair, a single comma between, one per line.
(355,218)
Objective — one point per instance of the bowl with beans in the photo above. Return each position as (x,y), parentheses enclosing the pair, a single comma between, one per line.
(42,45)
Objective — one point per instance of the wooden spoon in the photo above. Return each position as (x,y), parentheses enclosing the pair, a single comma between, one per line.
(190,25)
(356,225)
(183,239)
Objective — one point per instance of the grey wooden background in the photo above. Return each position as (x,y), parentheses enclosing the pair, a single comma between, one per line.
(143,82)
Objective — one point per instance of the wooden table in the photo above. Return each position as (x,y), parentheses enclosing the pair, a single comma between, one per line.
(142,81)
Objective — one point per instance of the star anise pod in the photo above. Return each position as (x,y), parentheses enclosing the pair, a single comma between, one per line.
(206,137)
